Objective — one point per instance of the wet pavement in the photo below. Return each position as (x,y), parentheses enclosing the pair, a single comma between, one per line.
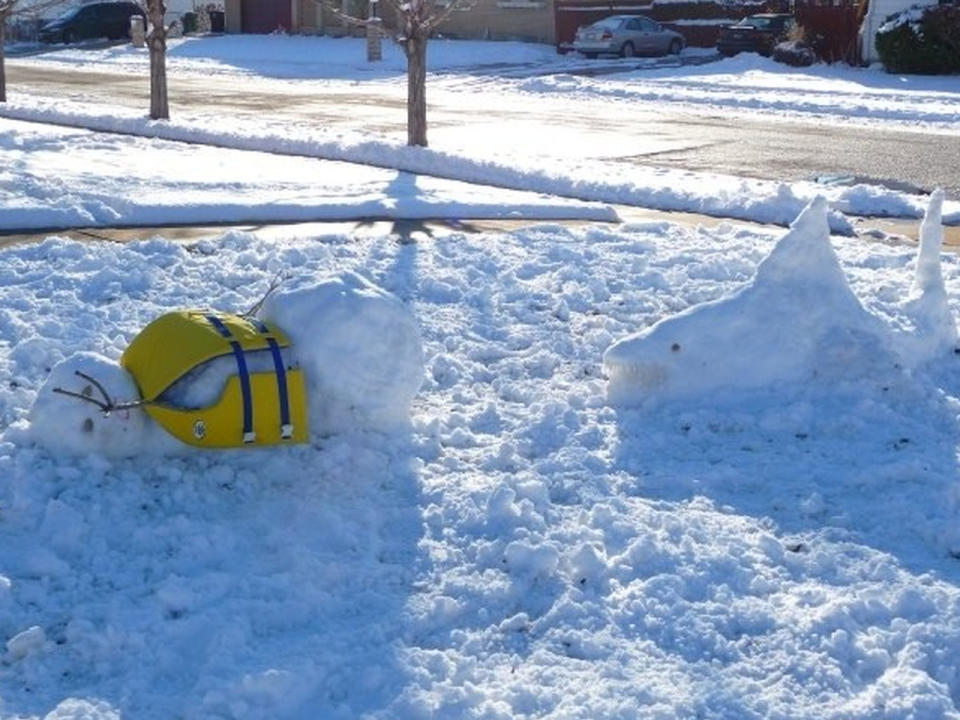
(870,229)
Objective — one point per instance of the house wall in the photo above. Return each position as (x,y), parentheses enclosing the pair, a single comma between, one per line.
(530,20)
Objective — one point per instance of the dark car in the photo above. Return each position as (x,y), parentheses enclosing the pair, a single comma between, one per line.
(94,20)
(757,33)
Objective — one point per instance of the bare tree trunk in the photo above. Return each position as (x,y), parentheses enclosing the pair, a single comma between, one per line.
(416,50)
(3,60)
(157,42)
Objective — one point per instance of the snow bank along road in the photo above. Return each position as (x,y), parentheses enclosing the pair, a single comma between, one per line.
(734,131)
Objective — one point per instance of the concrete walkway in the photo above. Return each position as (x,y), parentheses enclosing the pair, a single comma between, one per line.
(871,229)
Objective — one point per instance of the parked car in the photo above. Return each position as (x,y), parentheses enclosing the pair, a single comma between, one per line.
(757,33)
(627,35)
(94,20)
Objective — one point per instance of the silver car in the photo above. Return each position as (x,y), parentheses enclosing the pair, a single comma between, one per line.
(627,35)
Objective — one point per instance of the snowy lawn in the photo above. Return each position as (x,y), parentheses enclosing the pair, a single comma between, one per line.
(588,180)
(525,550)
(300,57)
(54,177)
(749,82)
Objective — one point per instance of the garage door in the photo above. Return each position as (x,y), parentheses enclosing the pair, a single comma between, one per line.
(264,16)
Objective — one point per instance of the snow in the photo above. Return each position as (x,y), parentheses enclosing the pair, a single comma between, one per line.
(522,548)
(525,73)
(298,57)
(590,181)
(911,16)
(507,542)
(68,426)
(797,320)
(751,83)
(59,178)
(359,348)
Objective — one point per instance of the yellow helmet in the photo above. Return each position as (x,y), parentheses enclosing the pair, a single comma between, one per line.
(259,408)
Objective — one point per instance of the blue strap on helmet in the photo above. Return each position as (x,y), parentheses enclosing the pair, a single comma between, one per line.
(249,435)
(286,427)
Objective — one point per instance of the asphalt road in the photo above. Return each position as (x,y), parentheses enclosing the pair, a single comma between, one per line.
(680,138)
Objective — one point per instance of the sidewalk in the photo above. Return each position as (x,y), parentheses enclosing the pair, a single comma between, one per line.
(871,229)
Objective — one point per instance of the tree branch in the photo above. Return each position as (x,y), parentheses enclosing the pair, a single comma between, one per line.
(347,17)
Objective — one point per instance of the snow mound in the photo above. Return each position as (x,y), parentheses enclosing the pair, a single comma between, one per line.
(797,320)
(71,426)
(359,347)
(934,328)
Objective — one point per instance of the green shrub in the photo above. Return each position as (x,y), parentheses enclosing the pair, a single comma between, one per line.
(923,41)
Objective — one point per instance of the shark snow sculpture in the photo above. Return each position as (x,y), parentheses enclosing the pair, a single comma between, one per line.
(797,320)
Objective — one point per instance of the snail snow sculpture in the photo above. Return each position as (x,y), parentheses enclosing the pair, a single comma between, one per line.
(337,355)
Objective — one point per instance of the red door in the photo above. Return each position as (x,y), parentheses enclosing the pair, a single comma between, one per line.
(264,16)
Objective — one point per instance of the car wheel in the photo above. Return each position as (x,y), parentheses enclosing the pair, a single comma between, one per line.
(627,50)
(69,37)
(675,47)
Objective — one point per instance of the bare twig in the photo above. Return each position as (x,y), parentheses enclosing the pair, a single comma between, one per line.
(108,404)
(276,282)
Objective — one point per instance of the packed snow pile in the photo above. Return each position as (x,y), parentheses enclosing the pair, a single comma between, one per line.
(931,328)
(70,426)
(358,345)
(797,321)
(360,349)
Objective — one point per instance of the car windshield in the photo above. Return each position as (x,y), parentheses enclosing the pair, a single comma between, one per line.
(760,23)
(68,15)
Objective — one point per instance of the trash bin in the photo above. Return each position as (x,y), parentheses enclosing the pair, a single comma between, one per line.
(189,22)
(138,32)
(217,21)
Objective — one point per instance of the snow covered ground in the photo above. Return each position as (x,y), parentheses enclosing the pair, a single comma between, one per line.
(567,162)
(55,177)
(591,180)
(526,549)
(536,543)
(527,72)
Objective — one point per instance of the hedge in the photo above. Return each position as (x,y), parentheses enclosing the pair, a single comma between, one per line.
(925,41)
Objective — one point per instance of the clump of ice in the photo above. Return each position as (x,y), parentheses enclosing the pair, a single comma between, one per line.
(359,348)
(798,319)
(72,426)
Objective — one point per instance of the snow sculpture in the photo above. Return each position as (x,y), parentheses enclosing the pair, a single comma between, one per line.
(358,346)
(934,329)
(797,320)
